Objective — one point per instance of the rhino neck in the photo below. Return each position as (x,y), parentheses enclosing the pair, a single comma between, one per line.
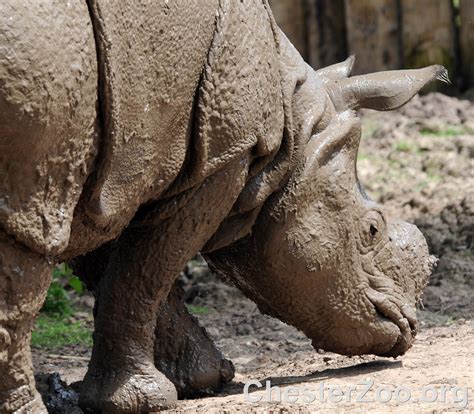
(307,109)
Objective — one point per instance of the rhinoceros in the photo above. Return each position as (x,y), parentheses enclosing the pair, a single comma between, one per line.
(135,134)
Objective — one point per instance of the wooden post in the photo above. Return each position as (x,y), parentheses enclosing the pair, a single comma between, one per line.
(373,34)
(326,32)
(428,33)
(290,17)
(315,27)
(466,34)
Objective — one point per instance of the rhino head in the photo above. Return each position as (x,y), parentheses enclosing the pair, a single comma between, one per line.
(322,255)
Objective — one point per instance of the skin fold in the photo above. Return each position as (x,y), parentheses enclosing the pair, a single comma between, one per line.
(134,135)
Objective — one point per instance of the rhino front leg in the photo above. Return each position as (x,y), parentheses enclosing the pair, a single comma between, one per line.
(142,267)
(24,280)
(183,350)
(121,375)
(185,353)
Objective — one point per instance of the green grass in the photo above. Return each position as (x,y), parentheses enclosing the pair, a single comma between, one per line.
(53,328)
(52,333)
(406,146)
(58,300)
(197,310)
(446,132)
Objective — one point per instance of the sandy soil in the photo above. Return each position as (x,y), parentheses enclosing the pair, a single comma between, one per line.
(418,161)
(423,371)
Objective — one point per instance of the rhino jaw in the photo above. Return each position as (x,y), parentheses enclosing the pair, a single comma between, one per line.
(392,280)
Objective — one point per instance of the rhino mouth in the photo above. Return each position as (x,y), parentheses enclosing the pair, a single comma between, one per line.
(404,317)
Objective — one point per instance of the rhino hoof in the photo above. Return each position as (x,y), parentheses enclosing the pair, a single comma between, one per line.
(125,392)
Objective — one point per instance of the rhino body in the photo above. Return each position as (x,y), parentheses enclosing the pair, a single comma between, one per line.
(134,135)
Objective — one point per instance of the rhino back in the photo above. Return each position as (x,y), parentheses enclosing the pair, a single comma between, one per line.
(188,88)
(48,93)
(184,89)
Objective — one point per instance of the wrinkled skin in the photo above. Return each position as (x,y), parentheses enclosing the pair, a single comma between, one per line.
(152,131)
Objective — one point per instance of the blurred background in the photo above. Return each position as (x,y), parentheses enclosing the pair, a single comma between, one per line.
(384,34)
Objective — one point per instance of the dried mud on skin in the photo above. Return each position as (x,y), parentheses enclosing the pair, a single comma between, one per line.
(419,162)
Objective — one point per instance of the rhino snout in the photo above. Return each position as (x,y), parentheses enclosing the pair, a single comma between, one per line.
(410,250)
(407,272)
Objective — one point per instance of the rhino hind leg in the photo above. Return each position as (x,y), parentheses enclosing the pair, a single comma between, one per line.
(185,353)
(24,280)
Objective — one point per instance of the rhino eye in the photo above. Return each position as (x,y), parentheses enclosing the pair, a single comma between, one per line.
(373,230)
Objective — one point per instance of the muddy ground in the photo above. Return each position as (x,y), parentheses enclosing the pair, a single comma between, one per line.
(418,161)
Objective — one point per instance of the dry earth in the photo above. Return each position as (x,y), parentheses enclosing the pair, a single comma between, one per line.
(419,161)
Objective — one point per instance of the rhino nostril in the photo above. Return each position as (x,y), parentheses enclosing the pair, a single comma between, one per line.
(409,312)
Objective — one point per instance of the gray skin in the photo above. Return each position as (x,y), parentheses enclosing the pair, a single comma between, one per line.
(135,134)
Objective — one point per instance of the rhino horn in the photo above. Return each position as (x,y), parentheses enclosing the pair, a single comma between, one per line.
(383,91)
(339,70)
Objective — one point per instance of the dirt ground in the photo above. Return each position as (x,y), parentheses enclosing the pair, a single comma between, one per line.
(419,162)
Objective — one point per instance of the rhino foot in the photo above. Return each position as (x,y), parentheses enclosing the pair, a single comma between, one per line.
(146,390)
(185,353)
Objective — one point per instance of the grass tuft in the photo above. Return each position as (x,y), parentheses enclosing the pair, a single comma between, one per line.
(52,333)
(446,132)
(198,310)
(406,146)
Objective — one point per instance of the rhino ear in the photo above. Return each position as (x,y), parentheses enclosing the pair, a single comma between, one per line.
(383,91)
(339,70)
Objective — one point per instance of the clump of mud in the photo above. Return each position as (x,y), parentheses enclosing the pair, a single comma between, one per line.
(58,397)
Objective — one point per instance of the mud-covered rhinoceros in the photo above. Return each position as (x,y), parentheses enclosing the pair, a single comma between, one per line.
(134,134)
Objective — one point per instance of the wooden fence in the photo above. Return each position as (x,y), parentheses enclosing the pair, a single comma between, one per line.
(383,34)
